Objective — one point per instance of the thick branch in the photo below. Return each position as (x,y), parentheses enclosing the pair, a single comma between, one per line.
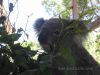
(74,9)
(6,24)
(93,25)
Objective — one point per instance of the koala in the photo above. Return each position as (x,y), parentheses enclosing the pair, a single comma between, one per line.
(47,35)
(55,34)
(49,31)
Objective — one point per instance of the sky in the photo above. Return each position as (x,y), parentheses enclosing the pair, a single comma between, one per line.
(24,9)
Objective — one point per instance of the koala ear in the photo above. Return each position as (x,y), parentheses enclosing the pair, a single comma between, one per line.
(38,24)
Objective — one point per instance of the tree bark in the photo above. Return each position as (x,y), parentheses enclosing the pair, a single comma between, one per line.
(74,9)
(6,24)
(93,25)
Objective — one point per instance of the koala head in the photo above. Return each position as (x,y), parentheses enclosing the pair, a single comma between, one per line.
(48,31)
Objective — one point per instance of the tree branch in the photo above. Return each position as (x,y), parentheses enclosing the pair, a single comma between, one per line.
(93,25)
(74,9)
(6,24)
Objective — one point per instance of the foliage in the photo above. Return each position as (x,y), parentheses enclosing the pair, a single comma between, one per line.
(98,47)
(33,46)
(57,7)
(86,8)
(13,57)
(17,59)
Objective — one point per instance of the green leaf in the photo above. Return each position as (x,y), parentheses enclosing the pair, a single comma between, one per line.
(20,30)
(63,65)
(9,38)
(67,55)
(87,12)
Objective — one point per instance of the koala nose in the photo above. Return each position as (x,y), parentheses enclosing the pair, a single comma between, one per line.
(43,36)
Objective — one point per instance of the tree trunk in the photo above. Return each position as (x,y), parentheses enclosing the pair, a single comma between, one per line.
(6,23)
